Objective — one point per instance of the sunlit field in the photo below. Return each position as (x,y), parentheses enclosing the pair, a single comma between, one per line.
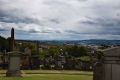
(49,75)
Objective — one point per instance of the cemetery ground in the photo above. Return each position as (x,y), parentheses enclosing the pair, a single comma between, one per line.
(50,75)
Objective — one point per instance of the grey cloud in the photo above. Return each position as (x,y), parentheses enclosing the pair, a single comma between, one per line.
(72,31)
(21,32)
(58,31)
(15,16)
(82,0)
(3,30)
(108,25)
(118,14)
(55,20)
(55,2)
(88,22)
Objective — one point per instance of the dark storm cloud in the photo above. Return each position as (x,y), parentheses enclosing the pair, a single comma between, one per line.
(15,16)
(3,29)
(108,25)
(21,32)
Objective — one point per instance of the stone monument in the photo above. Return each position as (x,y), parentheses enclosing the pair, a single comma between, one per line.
(110,68)
(98,70)
(111,65)
(58,62)
(46,62)
(14,65)
(68,65)
(26,62)
(12,40)
(35,59)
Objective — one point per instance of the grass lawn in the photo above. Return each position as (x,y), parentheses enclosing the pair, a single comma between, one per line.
(50,75)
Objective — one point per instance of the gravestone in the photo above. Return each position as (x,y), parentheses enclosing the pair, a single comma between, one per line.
(14,65)
(78,64)
(35,62)
(87,65)
(68,65)
(110,69)
(94,60)
(26,64)
(98,68)
(83,67)
(4,63)
(62,59)
(46,62)
(111,64)
(73,64)
(58,62)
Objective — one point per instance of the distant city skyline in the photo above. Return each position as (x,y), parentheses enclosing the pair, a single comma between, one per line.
(60,19)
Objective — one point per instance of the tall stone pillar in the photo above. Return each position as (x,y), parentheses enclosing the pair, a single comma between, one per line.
(12,40)
(111,65)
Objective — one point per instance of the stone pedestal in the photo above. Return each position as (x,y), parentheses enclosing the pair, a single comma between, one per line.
(46,62)
(62,59)
(111,65)
(68,65)
(14,65)
(58,65)
(35,62)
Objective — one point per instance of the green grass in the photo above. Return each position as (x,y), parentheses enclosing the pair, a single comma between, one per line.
(50,75)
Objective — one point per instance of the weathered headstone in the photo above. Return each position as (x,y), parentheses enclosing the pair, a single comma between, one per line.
(58,62)
(87,65)
(78,64)
(98,71)
(94,60)
(14,65)
(26,64)
(46,62)
(62,59)
(73,64)
(35,62)
(68,65)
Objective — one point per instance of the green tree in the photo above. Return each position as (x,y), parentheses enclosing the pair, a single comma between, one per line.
(4,45)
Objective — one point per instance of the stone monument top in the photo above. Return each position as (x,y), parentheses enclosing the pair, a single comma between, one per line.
(111,52)
(27,51)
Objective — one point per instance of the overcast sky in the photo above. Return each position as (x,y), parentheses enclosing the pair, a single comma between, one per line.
(60,19)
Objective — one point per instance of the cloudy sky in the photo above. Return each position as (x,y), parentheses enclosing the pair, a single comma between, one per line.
(60,19)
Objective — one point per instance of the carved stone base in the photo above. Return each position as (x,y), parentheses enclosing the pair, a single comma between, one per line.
(13,73)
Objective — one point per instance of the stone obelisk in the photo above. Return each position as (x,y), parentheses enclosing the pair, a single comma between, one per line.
(14,60)
(12,40)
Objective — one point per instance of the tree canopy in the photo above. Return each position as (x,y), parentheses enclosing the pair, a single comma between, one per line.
(4,45)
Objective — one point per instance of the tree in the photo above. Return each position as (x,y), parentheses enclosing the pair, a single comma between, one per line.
(4,45)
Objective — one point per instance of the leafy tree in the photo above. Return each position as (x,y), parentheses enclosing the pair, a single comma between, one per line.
(4,45)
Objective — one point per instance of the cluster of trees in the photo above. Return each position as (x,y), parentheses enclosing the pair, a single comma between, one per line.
(64,50)
(4,44)
(72,50)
